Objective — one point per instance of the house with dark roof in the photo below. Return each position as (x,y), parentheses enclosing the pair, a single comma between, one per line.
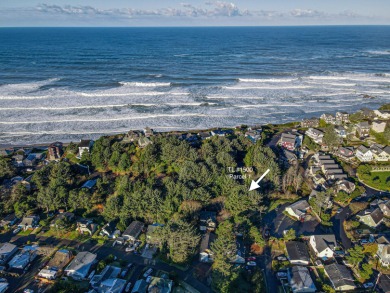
(310,122)
(340,277)
(23,258)
(55,151)
(144,141)
(110,231)
(384,284)
(85,145)
(289,158)
(86,226)
(208,221)
(323,246)
(346,153)
(206,255)
(204,135)
(297,253)
(345,185)
(107,282)
(9,220)
(160,285)
(298,209)
(140,286)
(62,217)
(133,230)
(371,217)
(300,280)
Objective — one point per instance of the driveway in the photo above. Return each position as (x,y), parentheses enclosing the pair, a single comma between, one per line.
(338,228)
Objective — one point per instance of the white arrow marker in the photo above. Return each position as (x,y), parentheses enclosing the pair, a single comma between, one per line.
(255,184)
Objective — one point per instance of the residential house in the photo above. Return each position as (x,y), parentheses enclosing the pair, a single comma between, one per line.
(378,126)
(7,251)
(297,253)
(18,160)
(6,152)
(208,221)
(23,258)
(206,255)
(383,251)
(384,283)
(140,286)
(85,145)
(371,217)
(89,184)
(254,135)
(160,285)
(32,159)
(298,209)
(300,280)
(56,264)
(340,277)
(107,280)
(345,185)
(323,246)
(385,208)
(29,222)
(9,220)
(379,153)
(341,131)
(132,135)
(110,231)
(289,158)
(364,154)
(59,219)
(328,118)
(79,267)
(151,238)
(346,153)
(342,117)
(382,114)
(239,258)
(288,141)
(86,226)
(311,122)
(367,113)
(204,135)
(55,151)
(315,134)
(144,141)
(363,128)
(132,231)
(148,132)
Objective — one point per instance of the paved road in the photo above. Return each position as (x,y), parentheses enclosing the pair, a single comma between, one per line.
(338,228)
(265,263)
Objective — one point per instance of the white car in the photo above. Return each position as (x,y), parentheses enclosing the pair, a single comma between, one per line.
(281,275)
(17,230)
(251,263)
(148,272)
(129,249)
(149,279)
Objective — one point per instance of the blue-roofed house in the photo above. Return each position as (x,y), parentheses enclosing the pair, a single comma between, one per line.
(89,184)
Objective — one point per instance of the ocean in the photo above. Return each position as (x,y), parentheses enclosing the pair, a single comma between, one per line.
(64,84)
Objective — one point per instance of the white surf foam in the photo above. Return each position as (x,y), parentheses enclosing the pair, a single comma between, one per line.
(145,84)
(265,80)
(267,87)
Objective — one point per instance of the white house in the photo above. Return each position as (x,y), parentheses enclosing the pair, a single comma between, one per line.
(382,114)
(364,154)
(323,246)
(298,209)
(315,134)
(300,280)
(378,126)
(379,153)
(85,146)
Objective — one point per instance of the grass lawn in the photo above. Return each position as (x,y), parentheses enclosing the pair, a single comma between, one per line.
(378,180)
(25,233)
(70,235)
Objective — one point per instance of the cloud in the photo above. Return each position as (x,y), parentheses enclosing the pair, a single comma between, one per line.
(210,13)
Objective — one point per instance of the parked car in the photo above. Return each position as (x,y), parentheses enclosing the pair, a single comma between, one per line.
(149,279)
(339,210)
(252,258)
(129,249)
(130,265)
(281,258)
(281,275)
(17,230)
(251,263)
(368,285)
(148,272)
(267,233)
(128,286)
(124,273)
(364,241)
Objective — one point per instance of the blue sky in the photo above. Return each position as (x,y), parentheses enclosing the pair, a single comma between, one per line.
(193,12)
